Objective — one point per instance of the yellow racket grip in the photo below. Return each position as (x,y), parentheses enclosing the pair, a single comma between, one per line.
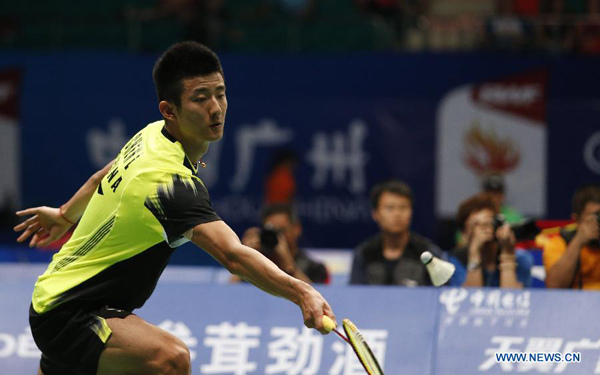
(328,324)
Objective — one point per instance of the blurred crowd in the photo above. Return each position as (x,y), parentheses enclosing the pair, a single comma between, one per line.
(491,248)
(552,26)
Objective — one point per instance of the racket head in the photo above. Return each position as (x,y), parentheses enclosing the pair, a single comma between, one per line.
(361,348)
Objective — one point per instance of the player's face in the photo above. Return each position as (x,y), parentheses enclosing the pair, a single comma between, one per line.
(393,214)
(203,107)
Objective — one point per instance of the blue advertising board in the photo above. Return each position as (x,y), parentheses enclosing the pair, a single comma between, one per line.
(237,329)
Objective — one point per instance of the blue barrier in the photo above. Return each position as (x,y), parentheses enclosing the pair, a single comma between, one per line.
(237,329)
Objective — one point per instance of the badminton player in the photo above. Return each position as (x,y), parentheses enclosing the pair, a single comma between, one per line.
(132,215)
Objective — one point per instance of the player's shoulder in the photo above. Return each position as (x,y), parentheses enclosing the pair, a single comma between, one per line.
(163,151)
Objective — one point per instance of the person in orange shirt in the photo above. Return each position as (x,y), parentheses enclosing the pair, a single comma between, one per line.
(572,260)
(280,184)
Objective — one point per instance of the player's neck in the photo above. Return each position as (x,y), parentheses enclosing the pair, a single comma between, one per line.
(193,148)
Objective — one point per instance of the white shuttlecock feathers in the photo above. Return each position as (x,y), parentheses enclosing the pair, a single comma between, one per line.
(439,270)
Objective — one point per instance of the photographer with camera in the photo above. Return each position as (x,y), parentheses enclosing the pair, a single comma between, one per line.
(278,240)
(572,259)
(488,257)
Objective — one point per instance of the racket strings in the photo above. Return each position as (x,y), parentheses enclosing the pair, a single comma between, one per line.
(362,350)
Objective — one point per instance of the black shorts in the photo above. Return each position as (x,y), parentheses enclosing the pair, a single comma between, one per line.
(72,339)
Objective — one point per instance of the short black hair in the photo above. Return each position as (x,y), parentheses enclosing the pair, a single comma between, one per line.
(279,208)
(583,195)
(391,186)
(182,60)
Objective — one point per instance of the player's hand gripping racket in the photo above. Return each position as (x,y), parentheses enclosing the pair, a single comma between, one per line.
(357,342)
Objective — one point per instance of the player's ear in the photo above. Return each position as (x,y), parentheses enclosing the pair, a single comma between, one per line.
(167,110)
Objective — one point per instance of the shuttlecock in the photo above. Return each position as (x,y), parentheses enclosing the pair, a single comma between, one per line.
(439,270)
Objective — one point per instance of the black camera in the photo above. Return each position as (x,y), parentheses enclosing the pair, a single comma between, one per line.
(524,230)
(268,238)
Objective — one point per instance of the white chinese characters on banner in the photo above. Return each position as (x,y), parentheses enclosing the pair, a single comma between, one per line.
(514,344)
(291,351)
(340,155)
(505,344)
(231,348)
(248,138)
(583,345)
(481,307)
(295,352)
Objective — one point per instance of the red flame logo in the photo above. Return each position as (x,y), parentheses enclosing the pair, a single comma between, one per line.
(487,152)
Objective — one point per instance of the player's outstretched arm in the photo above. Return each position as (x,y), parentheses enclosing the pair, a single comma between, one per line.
(48,224)
(224,245)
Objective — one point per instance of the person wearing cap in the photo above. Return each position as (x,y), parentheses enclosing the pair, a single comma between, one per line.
(494,185)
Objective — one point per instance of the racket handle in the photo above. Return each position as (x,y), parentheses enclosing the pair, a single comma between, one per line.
(328,323)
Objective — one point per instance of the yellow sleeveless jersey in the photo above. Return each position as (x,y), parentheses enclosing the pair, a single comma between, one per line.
(132,224)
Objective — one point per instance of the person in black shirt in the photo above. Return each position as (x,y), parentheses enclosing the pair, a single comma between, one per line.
(392,257)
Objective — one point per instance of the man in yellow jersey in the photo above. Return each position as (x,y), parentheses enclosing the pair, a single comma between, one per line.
(572,258)
(132,214)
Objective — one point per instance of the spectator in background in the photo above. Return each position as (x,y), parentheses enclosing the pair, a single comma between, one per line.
(494,185)
(488,257)
(280,184)
(202,20)
(556,32)
(506,31)
(392,257)
(527,8)
(572,259)
(282,223)
(588,30)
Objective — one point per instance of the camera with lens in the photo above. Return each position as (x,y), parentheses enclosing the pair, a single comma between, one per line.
(268,239)
(524,230)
